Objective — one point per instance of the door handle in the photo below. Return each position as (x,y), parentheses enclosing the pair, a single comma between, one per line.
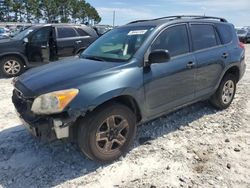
(224,55)
(190,64)
(44,47)
(78,41)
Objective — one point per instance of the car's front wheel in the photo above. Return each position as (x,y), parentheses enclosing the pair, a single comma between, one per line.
(11,66)
(224,95)
(107,133)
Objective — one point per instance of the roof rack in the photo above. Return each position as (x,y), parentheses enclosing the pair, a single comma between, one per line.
(183,16)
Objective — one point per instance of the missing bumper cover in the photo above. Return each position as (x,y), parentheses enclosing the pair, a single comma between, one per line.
(61,132)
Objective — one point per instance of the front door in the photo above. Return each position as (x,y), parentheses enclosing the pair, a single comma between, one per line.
(38,48)
(168,85)
(67,40)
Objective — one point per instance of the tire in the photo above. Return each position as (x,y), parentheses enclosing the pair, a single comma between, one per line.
(107,133)
(224,95)
(11,66)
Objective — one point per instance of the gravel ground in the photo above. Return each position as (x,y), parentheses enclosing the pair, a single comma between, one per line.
(193,147)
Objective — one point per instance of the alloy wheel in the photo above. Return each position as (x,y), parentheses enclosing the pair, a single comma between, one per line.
(112,134)
(228,92)
(12,67)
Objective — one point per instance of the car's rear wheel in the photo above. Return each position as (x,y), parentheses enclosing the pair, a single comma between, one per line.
(224,95)
(107,133)
(11,66)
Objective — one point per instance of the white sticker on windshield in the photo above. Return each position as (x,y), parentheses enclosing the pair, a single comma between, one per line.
(137,32)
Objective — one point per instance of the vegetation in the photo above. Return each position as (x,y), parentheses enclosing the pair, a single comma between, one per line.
(50,11)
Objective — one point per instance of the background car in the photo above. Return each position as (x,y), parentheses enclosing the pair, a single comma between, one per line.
(243,35)
(4,33)
(102,29)
(40,44)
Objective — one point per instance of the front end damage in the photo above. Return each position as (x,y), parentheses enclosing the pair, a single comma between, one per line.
(45,127)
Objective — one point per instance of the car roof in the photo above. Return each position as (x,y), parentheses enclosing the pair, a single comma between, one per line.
(176,19)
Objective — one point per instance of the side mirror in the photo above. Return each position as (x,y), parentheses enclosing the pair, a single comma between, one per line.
(158,56)
(25,40)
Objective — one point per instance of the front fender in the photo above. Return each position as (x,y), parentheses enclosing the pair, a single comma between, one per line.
(97,92)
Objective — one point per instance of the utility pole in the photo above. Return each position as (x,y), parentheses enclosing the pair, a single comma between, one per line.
(114,18)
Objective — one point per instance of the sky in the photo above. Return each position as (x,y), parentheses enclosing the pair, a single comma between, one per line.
(235,11)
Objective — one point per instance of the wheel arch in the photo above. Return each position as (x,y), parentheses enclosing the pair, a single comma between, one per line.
(126,100)
(234,70)
(18,55)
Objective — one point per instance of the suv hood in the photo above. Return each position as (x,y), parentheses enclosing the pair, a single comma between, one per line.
(64,74)
(7,41)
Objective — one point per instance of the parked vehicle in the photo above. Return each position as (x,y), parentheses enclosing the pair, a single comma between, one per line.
(102,29)
(131,75)
(40,44)
(243,35)
(4,33)
(18,30)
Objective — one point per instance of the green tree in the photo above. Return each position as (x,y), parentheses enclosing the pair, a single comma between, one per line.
(64,11)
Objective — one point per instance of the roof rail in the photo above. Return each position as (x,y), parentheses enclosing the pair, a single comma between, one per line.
(183,16)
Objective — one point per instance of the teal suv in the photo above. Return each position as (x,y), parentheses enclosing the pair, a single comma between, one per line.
(130,75)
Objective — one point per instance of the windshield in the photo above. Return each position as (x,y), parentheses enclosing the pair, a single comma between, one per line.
(118,45)
(241,31)
(23,34)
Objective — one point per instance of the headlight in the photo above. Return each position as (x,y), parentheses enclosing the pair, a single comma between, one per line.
(53,102)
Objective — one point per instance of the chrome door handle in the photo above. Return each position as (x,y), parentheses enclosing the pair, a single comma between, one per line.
(190,65)
(78,41)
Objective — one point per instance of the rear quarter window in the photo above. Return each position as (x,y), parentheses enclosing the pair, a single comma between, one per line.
(225,33)
(81,32)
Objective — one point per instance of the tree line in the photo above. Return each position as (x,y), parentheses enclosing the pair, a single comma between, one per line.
(49,11)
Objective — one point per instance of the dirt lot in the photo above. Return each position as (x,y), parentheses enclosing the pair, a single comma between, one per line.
(193,147)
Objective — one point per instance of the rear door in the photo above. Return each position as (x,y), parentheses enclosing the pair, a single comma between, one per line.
(67,40)
(84,40)
(210,55)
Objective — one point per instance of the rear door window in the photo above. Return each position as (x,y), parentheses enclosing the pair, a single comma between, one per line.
(66,32)
(225,33)
(81,32)
(173,39)
(203,36)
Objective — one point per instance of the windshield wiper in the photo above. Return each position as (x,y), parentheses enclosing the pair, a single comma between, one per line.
(93,58)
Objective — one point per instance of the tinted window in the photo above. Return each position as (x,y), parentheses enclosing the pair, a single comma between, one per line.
(174,39)
(203,36)
(225,32)
(42,35)
(81,32)
(65,32)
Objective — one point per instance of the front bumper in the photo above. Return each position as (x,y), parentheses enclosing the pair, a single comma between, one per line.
(44,127)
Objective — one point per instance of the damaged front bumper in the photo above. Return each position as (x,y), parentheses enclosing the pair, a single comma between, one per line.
(44,127)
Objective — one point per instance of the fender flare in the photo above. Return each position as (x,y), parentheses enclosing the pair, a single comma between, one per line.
(23,57)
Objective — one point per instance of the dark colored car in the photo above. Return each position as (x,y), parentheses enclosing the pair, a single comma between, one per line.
(40,44)
(102,29)
(243,35)
(132,74)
